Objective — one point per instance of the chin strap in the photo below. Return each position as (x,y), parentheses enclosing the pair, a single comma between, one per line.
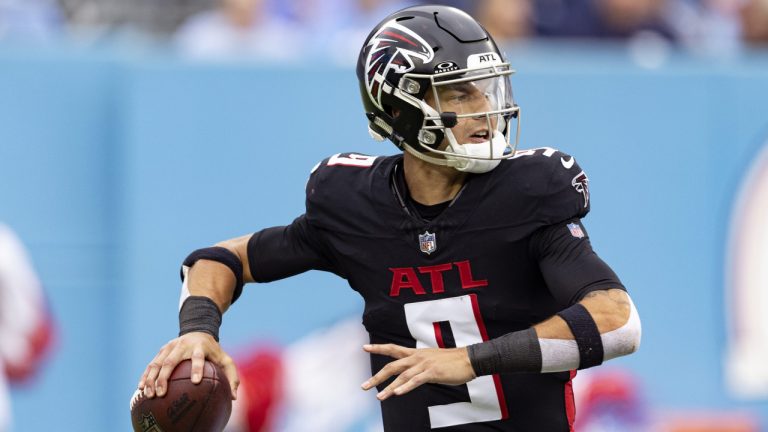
(480,157)
(467,157)
(375,135)
(430,159)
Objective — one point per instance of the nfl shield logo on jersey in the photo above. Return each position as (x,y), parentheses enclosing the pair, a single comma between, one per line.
(575,230)
(427,242)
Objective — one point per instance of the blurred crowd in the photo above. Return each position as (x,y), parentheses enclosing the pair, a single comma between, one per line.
(291,29)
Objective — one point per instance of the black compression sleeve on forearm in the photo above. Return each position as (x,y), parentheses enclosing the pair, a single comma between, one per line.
(199,314)
(514,352)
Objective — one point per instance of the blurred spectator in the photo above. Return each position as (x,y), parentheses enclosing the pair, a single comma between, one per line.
(754,21)
(506,19)
(338,28)
(601,18)
(707,27)
(610,400)
(25,325)
(313,381)
(30,20)
(623,18)
(240,28)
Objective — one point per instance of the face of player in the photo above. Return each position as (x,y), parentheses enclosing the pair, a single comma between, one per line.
(468,98)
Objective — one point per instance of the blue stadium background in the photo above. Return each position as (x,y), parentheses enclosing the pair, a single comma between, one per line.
(115,163)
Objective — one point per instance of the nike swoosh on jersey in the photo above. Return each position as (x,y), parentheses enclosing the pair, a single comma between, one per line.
(567,164)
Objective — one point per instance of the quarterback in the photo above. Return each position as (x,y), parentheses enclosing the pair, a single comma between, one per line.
(483,295)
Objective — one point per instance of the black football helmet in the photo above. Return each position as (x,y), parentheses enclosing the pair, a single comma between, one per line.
(440,50)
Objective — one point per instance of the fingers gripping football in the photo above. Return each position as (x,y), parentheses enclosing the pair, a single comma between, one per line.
(197,346)
(415,367)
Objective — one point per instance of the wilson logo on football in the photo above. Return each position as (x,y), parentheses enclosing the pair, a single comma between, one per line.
(393,48)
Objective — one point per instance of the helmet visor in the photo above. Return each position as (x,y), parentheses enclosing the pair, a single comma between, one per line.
(470,106)
(472,98)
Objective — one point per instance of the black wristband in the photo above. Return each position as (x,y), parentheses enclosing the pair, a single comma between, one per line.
(220,255)
(585,332)
(199,314)
(514,352)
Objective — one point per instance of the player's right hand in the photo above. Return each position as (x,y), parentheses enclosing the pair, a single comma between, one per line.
(197,346)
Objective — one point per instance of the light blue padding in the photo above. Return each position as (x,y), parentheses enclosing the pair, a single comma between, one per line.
(113,166)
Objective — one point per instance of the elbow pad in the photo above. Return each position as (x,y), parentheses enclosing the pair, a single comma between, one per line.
(625,339)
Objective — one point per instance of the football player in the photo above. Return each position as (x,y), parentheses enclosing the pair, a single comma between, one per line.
(482,293)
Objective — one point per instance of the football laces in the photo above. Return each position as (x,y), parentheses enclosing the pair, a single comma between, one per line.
(137,396)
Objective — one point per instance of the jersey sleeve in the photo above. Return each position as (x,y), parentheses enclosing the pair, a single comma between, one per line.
(283,251)
(570,267)
(280,252)
(567,190)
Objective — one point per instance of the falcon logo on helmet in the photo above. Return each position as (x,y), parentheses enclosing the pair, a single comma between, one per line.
(393,47)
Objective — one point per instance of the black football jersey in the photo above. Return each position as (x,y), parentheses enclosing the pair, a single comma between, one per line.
(508,252)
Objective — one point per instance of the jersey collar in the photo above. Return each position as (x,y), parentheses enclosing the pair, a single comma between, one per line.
(457,212)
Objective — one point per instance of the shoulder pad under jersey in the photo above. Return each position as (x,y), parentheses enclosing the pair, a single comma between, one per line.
(342,190)
(554,179)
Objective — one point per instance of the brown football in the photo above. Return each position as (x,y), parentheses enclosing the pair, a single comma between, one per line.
(186,407)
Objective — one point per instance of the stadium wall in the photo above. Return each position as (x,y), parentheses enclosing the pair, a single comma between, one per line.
(115,164)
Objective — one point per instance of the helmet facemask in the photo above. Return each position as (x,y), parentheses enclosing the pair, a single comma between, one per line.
(474,103)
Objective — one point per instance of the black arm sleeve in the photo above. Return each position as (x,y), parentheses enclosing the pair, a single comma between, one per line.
(570,267)
(279,252)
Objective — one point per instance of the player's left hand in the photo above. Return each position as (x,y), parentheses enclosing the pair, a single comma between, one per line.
(415,367)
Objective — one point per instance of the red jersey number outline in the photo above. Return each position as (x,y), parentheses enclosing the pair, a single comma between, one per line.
(487,402)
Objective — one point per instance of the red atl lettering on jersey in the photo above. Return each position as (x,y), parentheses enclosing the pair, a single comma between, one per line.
(465,273)
(406,278)
(436,276)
